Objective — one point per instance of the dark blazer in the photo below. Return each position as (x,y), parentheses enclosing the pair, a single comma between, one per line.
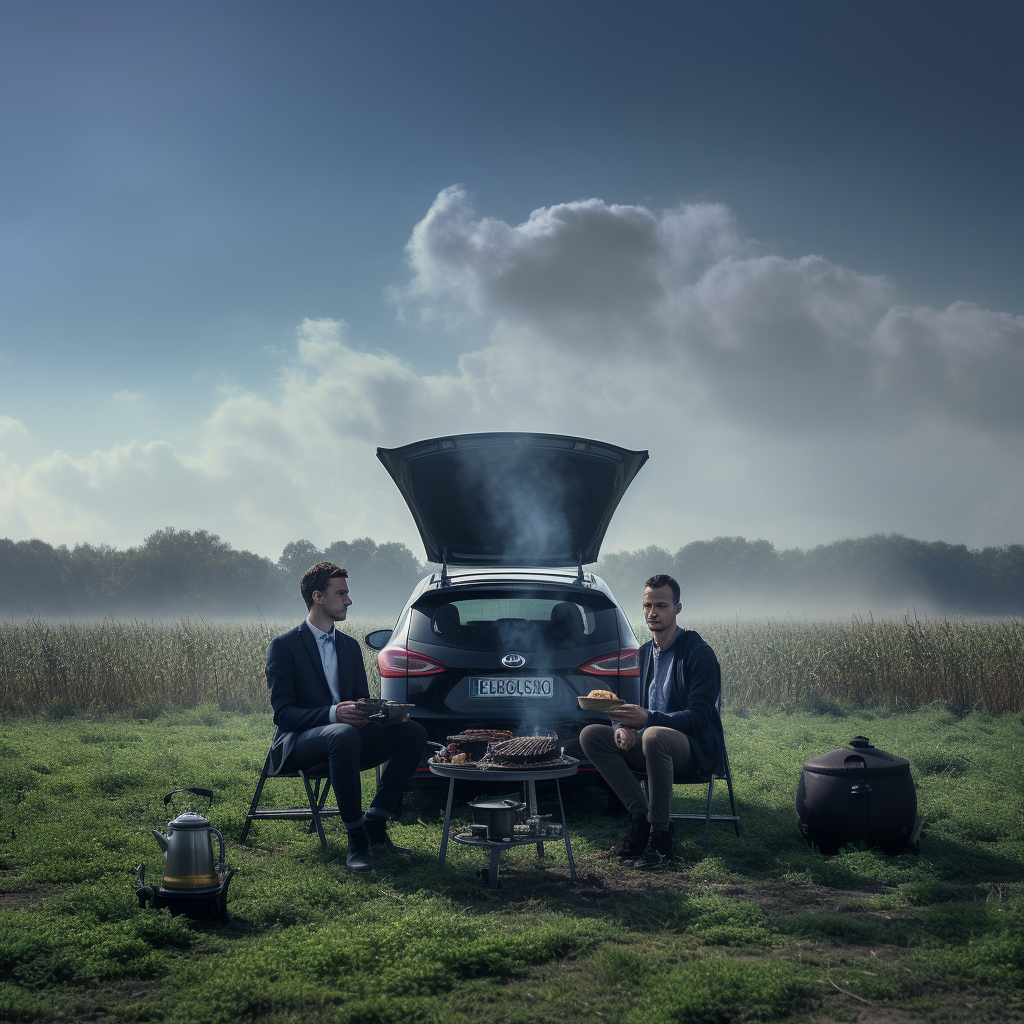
(299,693)
(693,698)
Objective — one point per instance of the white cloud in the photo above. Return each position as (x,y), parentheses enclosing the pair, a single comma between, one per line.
(131,399)
(788,398)
(12,429)
(784,344)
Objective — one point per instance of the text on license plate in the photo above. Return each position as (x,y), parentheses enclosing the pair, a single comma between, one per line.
(511,686)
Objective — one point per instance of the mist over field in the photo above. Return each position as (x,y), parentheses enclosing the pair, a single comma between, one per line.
(179,574)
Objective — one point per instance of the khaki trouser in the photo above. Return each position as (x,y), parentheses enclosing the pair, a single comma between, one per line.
(661,753)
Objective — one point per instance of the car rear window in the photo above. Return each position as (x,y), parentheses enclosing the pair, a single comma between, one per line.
(497,622)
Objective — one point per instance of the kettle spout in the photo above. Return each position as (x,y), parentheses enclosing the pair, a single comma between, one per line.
(161,839)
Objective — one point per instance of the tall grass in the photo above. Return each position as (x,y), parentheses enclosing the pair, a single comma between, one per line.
(905,663)
(61,668)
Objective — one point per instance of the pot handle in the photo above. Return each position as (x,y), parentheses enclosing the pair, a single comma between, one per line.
(208,793)
(220,868)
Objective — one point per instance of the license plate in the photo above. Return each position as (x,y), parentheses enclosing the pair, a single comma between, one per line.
(511,686)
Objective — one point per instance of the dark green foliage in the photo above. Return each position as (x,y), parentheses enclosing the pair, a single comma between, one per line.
(714,989)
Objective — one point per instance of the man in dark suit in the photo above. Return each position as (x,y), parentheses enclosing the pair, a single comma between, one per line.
(316,674)
(677,729)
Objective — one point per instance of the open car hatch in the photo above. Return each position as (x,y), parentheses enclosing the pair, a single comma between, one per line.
(502,499)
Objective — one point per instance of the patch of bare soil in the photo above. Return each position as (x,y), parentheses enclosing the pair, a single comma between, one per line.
(24,899)
(958,1006)
(856,1012)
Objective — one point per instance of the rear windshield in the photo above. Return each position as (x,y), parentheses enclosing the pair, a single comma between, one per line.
(493,622)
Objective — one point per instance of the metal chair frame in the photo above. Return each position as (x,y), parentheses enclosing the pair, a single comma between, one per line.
(317,784)
(694,779)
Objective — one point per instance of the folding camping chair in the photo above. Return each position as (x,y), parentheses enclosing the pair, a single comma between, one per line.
(694,779)
(316,795)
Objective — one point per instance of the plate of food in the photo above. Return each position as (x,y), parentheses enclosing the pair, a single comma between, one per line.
(600,700)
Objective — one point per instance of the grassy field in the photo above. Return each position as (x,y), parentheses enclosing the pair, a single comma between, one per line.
(761,929)
(64,668)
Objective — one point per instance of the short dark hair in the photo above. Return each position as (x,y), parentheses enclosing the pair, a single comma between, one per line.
(316,577)
(662,580)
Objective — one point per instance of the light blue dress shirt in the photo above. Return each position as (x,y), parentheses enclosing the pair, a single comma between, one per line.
(329,659)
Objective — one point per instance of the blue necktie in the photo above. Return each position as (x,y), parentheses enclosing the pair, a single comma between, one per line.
(330,660)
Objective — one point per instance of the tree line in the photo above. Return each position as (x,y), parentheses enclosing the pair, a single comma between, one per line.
(176,573)
(883,571)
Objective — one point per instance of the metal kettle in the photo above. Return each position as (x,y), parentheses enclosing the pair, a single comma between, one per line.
(189,848)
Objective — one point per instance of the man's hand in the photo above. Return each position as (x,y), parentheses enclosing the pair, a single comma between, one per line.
(351,715)
(625,739)
(628,714)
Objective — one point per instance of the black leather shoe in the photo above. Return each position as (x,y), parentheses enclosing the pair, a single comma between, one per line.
(377,830)
(659,850)
(360,856)
(634,842)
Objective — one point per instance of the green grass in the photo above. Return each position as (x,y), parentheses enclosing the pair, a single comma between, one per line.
(760,929)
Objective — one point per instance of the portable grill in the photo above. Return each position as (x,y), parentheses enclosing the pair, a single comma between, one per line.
(522,752)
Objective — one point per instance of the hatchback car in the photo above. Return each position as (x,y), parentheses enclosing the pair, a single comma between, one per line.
(512,637)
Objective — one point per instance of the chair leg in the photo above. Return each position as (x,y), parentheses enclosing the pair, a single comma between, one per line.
(314,810)
(322,799)
(707,815)
(255,801)
(732,799)
(311,827)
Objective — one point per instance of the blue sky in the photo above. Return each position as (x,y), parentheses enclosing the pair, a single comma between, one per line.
(778,244)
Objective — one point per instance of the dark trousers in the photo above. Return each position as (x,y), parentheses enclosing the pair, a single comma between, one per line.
(661,753)
(348,751)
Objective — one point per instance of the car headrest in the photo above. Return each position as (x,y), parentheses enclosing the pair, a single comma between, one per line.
(566,621)
(446,620)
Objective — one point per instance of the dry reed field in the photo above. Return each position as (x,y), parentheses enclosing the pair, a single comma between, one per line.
(145,667)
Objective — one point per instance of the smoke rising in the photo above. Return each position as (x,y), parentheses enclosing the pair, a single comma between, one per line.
(521,503)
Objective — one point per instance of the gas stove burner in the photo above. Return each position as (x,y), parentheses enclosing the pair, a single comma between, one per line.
(208,904)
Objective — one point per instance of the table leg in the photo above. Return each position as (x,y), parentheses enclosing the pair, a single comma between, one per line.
(531,804)
(492,871)
(447,825)
(565,832)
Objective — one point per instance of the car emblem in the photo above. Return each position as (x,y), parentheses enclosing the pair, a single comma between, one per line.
(513,661)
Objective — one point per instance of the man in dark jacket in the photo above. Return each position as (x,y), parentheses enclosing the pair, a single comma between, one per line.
(316,674)
(677,729)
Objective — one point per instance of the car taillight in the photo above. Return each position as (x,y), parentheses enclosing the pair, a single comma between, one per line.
(397,661)
(621,663)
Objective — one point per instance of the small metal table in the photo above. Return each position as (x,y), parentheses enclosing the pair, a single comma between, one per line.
(471,773)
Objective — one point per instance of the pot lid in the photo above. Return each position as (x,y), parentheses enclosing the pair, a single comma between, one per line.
(512,498)
(189,819)
(860,758)
(495,803)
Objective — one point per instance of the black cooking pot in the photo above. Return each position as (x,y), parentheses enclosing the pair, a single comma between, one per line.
(499,813)
(857,794)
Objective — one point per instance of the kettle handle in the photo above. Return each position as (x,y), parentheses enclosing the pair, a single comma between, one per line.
(208,793)
(220,868)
